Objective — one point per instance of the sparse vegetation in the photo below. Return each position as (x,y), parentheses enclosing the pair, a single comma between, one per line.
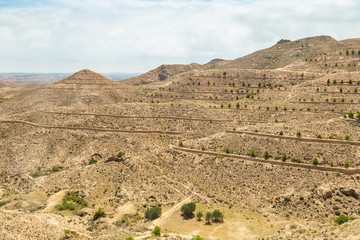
(153,213)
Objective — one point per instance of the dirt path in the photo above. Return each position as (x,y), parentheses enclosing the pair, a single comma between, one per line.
(161,220)
(90,129)
(142,117)
(273,162)
(300,139)
(53,201)
(127,208)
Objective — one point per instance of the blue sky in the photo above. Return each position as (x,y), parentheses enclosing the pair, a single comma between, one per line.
(139,35)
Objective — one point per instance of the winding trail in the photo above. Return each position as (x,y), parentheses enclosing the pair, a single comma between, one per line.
(90,129)
(53,201)
(299,139)
(273,162)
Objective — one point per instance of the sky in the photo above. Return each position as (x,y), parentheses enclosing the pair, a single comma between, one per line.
(140,35)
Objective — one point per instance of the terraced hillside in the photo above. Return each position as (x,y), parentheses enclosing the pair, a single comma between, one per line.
(271,139)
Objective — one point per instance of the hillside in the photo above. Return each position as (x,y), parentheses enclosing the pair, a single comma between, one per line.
(270,139)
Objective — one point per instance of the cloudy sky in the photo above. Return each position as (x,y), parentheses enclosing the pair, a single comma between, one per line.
(139,35)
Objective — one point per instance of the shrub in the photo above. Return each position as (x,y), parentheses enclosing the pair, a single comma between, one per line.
(266,155)
(351,114)
(284,157)
(99,214)
(252,153)
(319,136)
(92,161)
(120,154)
(347,138)
(181,144)
(71,201)
(156,232)
(217,216)
(199,215)
(315,161)
(203,148)
(347,164)
(342,219)
(197,237)
(298,134)
(2,203)
(281,133)
(188,209)
(337,213)
(227,150)
(331,137)
(129,238)
(153,213)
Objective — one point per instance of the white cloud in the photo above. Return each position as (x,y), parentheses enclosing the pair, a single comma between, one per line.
(137,35)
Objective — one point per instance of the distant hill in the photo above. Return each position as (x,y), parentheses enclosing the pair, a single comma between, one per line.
(54,77)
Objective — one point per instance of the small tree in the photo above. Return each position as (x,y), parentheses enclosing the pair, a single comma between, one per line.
(199,215)
(99,214)
(237,105)
(208,217)
(188,209)
(217,216)
(156,232)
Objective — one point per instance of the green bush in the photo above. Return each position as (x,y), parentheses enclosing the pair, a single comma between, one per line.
(181,144)
(199,215)
(129,238)
(284,157)
(92,161)
(298,134)
(2,203)
(281,133)
(153,213)
(120,154)
(266,155)
(342,219)
(156,232)
(227,150)
(99,214)
(252,153)
(197,237)
(319,136)
(188,209)
(71,201)
(347,164)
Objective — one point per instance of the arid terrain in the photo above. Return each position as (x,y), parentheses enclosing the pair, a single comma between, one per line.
(271,139)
